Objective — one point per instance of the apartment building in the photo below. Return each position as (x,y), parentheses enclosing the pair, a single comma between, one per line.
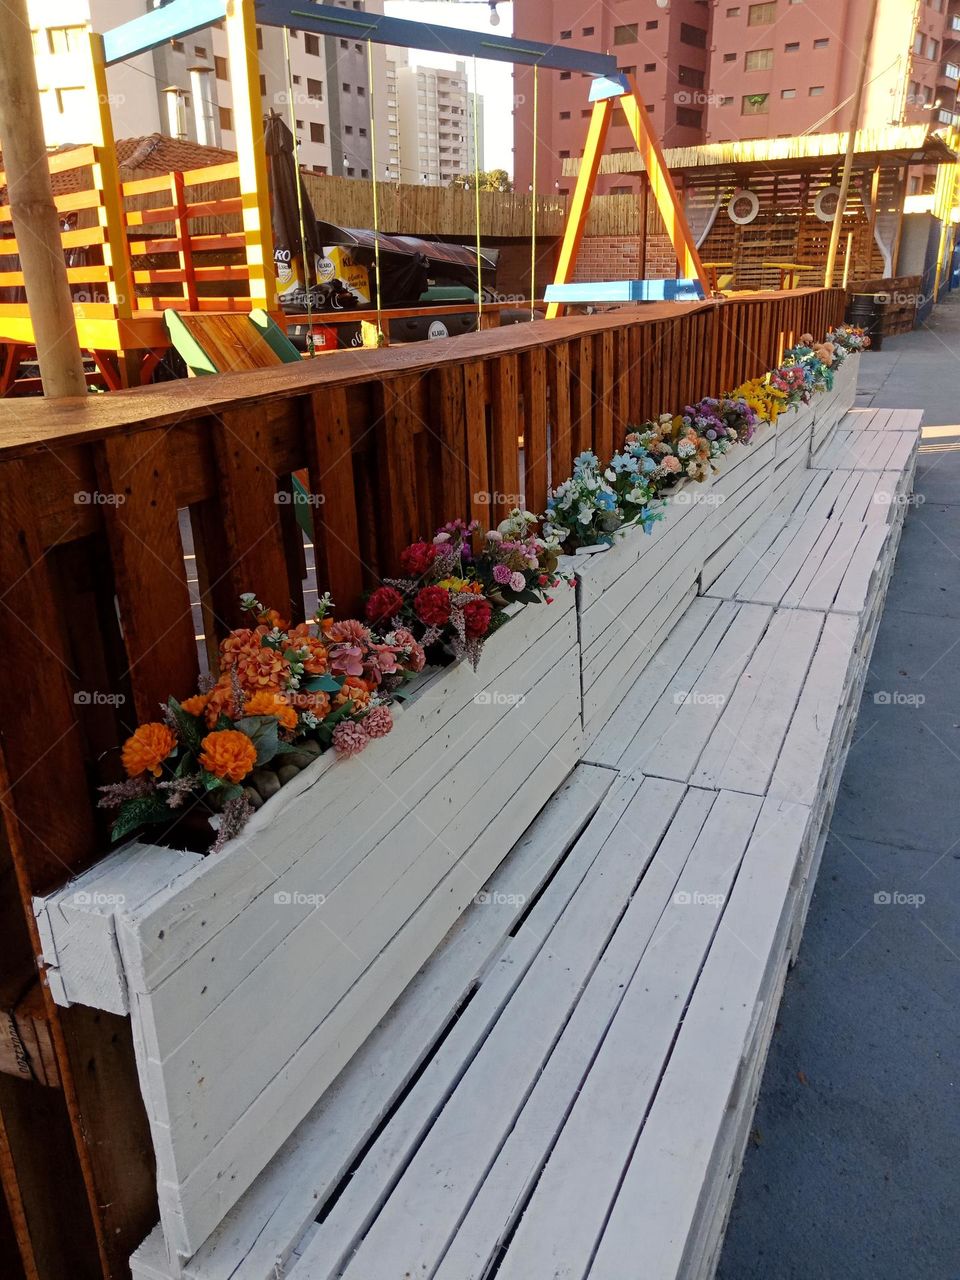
(716,72)
(183,88)
(430,122)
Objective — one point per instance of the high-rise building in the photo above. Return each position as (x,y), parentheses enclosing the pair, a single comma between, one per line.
(430,121)
(183,87)
(719,72)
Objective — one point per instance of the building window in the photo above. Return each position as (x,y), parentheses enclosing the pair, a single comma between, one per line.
(788,93)
(651,26)
(626,34)
(199,51)
(564,75)
(755,104)
(727,101)
(315,89)
(349,171)
(263,86)
(345,87)
(816,90)
(226,120)
(364,173)
(733,11)
(566,35)
(363,132)
(220,68)
(695,36)
(316,132)
(564,155)
(564,115)
(690,76)
(822,43)
(758,60)
(361,91)
(729,57)
(759,15)
(311,44)
(792,47)
(176,46)
(588,31)
(348,128)
(689,117)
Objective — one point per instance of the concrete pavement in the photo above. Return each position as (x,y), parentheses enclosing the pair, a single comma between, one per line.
(853,1169)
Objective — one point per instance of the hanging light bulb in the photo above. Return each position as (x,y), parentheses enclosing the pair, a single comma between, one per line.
(494,16)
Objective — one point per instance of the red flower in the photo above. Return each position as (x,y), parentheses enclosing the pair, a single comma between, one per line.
(385,602)
(432,606)
(417,559)
(476,618)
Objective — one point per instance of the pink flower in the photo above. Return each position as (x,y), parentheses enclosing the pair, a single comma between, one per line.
(517,582)
(404,639)
(349,738)
(502,574)
(351,631)
(671,464)
(378,722)
(346,660)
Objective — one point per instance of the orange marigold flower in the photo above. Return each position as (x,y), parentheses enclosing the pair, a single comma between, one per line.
(317,702)
(301,637)
(196,705)
(228,754)
(270,619)
(263,668)
(267,703)
(146,749)
(219,701)
(238,644)
(354,690)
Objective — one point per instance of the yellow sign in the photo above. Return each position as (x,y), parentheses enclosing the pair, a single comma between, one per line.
(345,267)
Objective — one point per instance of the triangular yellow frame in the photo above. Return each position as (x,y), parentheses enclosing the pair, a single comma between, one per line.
(605,93)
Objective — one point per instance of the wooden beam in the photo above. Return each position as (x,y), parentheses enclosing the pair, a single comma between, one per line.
(582,195)
(34,213)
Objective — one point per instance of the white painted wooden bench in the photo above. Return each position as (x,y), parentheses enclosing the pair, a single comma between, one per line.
(567,1082)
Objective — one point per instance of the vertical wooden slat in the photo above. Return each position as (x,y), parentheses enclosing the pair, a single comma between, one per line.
(137,486)
(621,385)
(447,398)
(533,372)
(559,377)
(603,411)
(397,470)
(250,512)
(582,400)
(478,463)
(636,376)
(504,436)
(335,525)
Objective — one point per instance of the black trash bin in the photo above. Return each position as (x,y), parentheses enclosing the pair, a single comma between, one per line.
(866,311)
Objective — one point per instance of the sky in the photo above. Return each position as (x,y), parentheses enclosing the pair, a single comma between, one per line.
(495,79)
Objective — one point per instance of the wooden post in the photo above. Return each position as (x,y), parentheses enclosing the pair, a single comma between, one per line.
(851,144)
(35,221)
(244,66)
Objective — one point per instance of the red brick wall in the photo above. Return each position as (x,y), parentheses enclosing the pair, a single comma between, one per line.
(618,258)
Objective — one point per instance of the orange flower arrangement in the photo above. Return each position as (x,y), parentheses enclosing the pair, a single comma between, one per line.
(196,705)
(267,703)
(228,754)
(147,748)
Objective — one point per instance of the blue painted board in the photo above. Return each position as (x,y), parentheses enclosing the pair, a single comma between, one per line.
(627,291)
(156,27)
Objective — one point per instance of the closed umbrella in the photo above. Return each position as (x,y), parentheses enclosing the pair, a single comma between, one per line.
(294,255)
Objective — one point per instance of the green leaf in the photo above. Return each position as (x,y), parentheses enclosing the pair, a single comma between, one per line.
(190,728)
(210,781)
(141,812)
(329,684)
(263,732)
(232,791)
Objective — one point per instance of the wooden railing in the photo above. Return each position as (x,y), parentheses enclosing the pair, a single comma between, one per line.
(96,591)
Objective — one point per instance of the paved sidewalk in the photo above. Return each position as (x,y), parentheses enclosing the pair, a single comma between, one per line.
(853,1171)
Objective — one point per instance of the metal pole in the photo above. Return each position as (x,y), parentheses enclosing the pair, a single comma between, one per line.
(36,223)
(851,143)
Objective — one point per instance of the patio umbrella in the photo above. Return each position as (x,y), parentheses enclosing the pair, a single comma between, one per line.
(294,255)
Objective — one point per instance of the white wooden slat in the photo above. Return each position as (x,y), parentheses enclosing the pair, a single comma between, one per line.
(798,773)
(564,1220)
(756,553)
(665,1180)
(743,748)
(650,683)
(867,561)
(416,1222)
(272,1215)
(803,542)
(818,579)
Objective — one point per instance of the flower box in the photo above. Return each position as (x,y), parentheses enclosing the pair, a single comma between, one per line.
(830,407)
(253,976)
(741,498)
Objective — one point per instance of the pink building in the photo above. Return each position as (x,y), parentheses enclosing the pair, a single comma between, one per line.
(717,72)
